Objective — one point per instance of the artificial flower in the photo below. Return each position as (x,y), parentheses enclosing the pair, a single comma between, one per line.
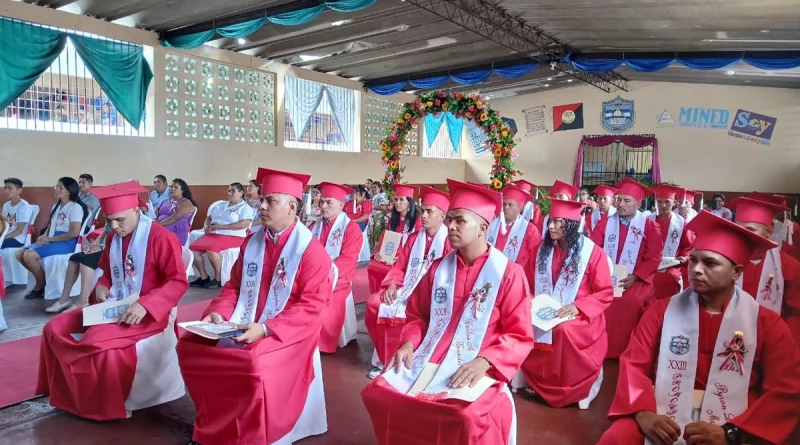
(429,104)
(504,133)
(438,102)
(393,165)
(479,105)
(407,116)
(497,184)
(400,121)
(445,106)
(484,116)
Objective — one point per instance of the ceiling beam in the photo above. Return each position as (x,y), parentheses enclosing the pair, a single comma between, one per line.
(240,18)
(497,25)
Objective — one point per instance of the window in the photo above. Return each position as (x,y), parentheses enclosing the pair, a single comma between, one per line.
(610,163)
(380,114)
(442,146)
(217,101)
(320,117)
(67,99)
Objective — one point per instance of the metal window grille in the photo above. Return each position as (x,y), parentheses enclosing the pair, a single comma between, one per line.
(67,99)
(442,147)
(322,132)
(610,163)
(379,115)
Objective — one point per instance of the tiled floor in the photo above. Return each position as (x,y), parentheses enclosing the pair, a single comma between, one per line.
(34,422)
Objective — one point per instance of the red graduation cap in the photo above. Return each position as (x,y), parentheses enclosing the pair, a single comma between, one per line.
(769,197)
(604,190)
(567,189)
(516,193)
(478,184)
(116,198)
(336,191)
(666,191)
(287,183)
(753,210)
(528,186)
(404,190)
(719,235)
(685,195)
(560,208)
(637,190)
(432,197)
(477,198)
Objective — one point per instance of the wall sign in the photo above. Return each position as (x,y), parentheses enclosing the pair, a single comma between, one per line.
(705,118)
(568,117)
(618,115)
(753,127)
(534,121)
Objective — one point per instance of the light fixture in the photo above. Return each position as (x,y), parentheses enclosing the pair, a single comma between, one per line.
(340,22)
(765,31)
(241,41)
(570,80)
(549,78)
(749,41)
(546,85)
(730,72)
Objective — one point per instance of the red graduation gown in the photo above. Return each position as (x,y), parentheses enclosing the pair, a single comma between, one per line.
(773,397)
(563,373)
(537,220)
(624,313)
(666,283)
(347,261)
(376,271)
(588,220)
(399,419)
(385,336)
(790,267)
(254,395)
(528,246)
(92,378)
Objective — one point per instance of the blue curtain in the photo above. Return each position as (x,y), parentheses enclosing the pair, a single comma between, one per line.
(293,18)
(455,129)
(343,104)
(776,60)
(470,78)
(26,51)
(715,63)
(433,123)
(121,71)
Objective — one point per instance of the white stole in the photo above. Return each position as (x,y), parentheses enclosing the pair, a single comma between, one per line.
(729,380)
(545,222)
(782,231)
(515,238)
(596,215)
(283,277)
(633,242)
(127,275)
(676,224)
(527,211)
(566,287)
(336,237)
(771,283)
(468,338)
(418,265)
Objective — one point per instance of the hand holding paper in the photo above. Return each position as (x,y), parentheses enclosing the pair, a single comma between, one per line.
(544,312)
(619,275)
(390,246)
(111,311)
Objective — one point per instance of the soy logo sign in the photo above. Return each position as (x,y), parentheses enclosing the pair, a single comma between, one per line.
(753,127)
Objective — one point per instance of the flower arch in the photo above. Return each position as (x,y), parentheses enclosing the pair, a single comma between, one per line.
(467,106)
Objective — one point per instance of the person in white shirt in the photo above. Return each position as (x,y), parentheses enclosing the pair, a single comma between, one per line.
(225,227)
(59,237)
(17,214)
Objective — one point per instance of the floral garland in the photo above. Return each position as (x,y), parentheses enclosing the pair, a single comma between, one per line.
(466,106)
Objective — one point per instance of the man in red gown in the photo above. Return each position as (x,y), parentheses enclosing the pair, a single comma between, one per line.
(677,243)
(510,233)
(468,329)
(566,364)
(531,211)
(785,232)
(709,366)
(386,309)
(771,277)
(379,267)
(559,190)
(104,372)
(605,197)
(252,390)
(343,240)
(633,241)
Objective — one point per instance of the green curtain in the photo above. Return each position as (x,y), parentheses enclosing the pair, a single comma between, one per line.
(121,71)
(26,51)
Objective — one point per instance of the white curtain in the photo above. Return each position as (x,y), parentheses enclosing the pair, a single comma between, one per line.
(343,105)
(303,98)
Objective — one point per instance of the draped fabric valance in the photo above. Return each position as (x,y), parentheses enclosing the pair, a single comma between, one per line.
(27,50)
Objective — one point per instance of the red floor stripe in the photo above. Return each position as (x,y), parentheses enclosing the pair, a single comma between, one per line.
(360,286)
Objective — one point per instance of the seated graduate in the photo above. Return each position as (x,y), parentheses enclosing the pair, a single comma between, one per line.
(386,309)
(468,329)
(530,211)
(709,366)
(510,233)
(110,370)
(566,364)
(252,389)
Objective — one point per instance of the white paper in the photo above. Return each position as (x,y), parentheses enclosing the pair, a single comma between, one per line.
(471,394)
(620,273)
(390,245)
(209,330)
(543,312)
(108,312)
(667,262)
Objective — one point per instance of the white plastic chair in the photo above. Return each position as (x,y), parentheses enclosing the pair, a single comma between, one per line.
(55,269)
(229,256)
(189,239)
(13,271)
(350,327)
(187,256)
